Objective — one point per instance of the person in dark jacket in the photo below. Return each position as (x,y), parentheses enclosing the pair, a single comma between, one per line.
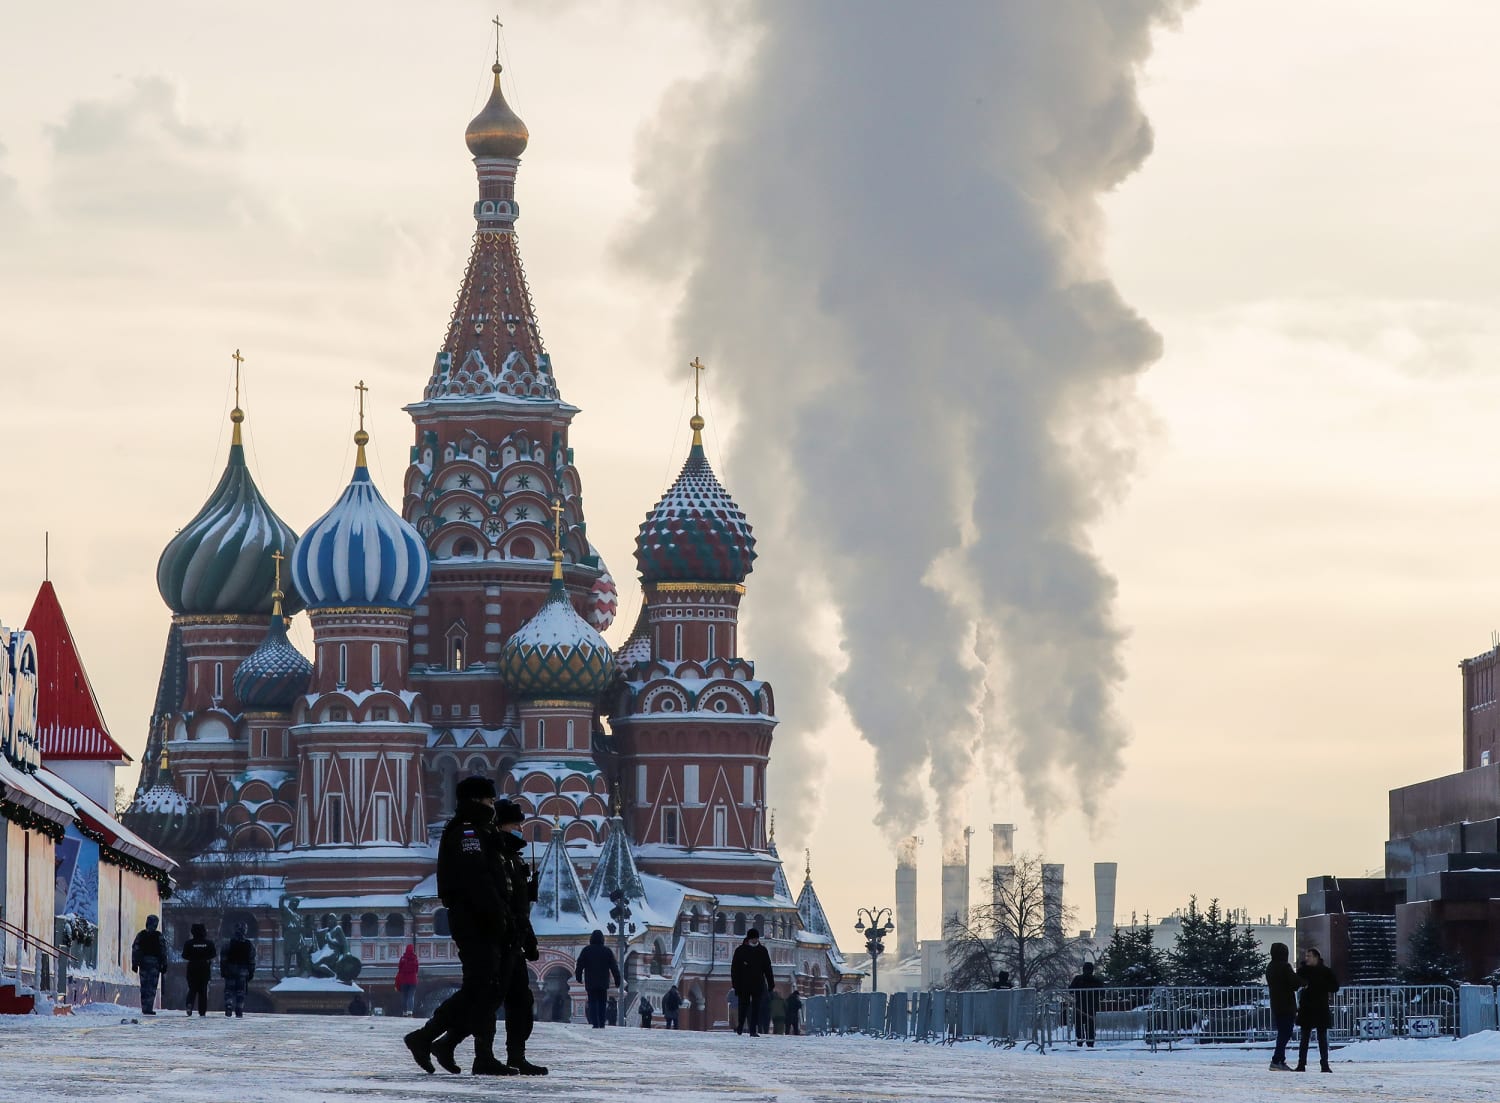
(1085,1004)
(1314,1012)
(237,967)
(473,883)
(596,967)
(612,1011)
(671,1004)
(1283,983)
(751,977)
(646,1011)
(148,957)
(794,1012)
(199,952)
(1003,980)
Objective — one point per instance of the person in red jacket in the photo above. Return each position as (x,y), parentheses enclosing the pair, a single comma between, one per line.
(406,981)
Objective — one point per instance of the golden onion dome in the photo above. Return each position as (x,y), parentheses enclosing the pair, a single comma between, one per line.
(497,131)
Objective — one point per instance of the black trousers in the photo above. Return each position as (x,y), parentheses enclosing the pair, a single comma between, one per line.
(198,991)
(520,1005)
(1306,1037)
(471,1010)
(750,1005)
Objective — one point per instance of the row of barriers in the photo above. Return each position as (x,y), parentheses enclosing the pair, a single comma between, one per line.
(1161,1016)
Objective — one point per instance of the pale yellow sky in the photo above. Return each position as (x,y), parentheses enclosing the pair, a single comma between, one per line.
(1302,556)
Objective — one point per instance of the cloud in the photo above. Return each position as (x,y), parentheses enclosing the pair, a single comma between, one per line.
(889,231)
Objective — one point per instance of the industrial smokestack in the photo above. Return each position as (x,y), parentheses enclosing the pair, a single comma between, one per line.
(906,898)
(1052,899)
(1105,875)
(956,881)
(1003,862)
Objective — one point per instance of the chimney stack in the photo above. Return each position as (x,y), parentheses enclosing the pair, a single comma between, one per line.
(1003,863)
(906,898)
(1052,899)
(956,882)
(1105,875)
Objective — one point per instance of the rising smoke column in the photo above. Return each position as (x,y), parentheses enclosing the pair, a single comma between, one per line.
(889,228)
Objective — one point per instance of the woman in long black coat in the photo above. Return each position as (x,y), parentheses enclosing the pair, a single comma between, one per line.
(1314,1012)
(199,953)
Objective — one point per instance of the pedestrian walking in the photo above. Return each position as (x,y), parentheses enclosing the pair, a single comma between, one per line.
(612,1012)
(794,1012)
(406,980)
(1314,1012)
(473,884)
(671,1004)
(198,953)
(148,959)
(646,1011)
(595,970)
(751,977)
(1283,982)
(1003,980)
(778,1011)
(237,967)
(1085,988)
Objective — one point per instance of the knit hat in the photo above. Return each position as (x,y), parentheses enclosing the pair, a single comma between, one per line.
(475,787)
(508,812)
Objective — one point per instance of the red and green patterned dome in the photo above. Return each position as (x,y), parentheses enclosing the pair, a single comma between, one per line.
(696,533)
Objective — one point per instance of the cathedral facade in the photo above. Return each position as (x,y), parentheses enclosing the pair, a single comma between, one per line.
(460,631)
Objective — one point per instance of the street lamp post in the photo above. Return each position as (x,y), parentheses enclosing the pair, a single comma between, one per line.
(619,916)
(874,924)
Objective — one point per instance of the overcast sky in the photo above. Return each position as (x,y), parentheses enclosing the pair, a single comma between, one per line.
(1302,552)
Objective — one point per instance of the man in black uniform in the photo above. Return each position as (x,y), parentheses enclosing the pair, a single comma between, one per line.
(473,882)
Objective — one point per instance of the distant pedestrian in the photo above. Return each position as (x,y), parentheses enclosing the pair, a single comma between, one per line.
(1085,988)
(237,967)
(1314,1013)
(612,1011)
(199,952)
(778,1011)
(406,980)
(646,1011)
(1283,982)
(148,958)
(671,1004)
(358,1006)
(595,970)
(1003,980)
(794,1012)
(751,977)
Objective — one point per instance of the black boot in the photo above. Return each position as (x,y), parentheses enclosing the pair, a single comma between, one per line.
(420,1043)
(485,1062)
(526,1068)
(442,1052)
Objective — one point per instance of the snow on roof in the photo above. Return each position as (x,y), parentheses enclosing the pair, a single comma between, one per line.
(31,794)
(616,871)
(314,984)
(814,920)
(116,834)
(561,907)
(70,724)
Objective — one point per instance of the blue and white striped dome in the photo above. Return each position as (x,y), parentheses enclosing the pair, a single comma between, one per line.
(360,553)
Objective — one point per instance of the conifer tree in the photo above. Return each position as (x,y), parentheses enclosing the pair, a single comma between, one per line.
(1132,959)
(1429,960)
(1212,951)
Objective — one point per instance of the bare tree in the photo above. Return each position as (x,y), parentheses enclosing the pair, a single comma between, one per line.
(1020,930)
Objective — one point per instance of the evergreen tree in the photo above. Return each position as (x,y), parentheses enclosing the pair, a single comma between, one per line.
(1132,959)
(1428,959)
(1212,951)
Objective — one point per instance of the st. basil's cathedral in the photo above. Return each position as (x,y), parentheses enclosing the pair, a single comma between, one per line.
(462,634)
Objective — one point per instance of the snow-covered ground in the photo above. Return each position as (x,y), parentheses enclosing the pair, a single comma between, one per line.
(303,1059)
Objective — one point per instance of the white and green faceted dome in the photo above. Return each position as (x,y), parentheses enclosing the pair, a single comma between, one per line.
(557,654)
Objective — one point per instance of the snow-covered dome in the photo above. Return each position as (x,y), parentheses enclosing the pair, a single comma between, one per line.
(696,533)
(220,561)
(557,653)
(161,800)
(637,648)
(275,674)
(360,552)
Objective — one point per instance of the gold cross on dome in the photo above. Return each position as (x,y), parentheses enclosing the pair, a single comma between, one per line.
(278,557)
(498,25)
(238,360)
(698,369)
(361,388)
(557,512)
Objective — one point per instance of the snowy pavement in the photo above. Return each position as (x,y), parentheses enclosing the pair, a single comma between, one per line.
(303,1059)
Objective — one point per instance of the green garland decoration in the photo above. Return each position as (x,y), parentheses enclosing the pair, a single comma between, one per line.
(27,820)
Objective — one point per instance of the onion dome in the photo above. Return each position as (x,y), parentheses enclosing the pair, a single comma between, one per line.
(275,674)
(696,533)
(604,597)
(637,648)
(220,561)
(557,653)
(497,131)
(360,552)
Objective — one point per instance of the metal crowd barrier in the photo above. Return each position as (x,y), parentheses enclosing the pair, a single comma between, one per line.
(1159,1016)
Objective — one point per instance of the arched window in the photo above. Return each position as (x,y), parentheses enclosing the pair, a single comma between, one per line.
(465,548)
(677,642)
(440,923)
(347,922)
(375,665)
(739,923)
(218,680)
(458,646)
(369,925)
(343,664)
(719,923)
(395,925)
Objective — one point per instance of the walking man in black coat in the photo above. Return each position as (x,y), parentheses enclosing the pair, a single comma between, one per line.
(473,883)
(1283,983)
(671,1005)
(148,958)
(199,952)
(237,967)
(751,978)
(1314,1013)
(794,1012)
(596,966)
(1085,1004)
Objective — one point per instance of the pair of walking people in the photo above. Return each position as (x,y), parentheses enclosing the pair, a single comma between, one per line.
(1301,998)
(487,888)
